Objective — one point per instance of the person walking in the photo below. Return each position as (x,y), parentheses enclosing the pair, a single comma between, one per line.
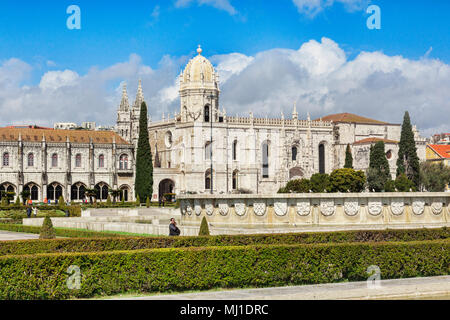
(28,211)
(35,212)
(173,229)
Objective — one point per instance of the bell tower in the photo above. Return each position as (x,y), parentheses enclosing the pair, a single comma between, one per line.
(199,90)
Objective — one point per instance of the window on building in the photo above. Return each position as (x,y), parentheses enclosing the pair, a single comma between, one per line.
(123,162)
(78,160)
(389,155)
(235,150)
(265,160)
(235,179)
(101,161)
(208,179)
(31,160)
(6,159)
(322,158)
(206,113)
(54,191)
(54,160)
(294,153)
(208,150)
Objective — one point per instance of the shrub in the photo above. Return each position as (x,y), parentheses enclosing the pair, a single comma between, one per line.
(389,186)
(403,184)
(204,228)
(347,180)
(138,201)
(434,176)
(108,200)
(320,182)
(47,231)
(298,186)
(161,270)
(147,203)
(102,241)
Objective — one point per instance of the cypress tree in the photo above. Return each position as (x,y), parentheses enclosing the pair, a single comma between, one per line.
(47,230)
(379,172)
(348,158)
(204,228)
(144,165)
(408,161)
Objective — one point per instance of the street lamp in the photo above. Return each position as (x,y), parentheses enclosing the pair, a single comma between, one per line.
(211,97)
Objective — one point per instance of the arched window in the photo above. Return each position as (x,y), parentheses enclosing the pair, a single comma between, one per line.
(78,160)
(78,191)
(54,191)
(208,150)
(235,150)
(101,161)
(294,153)
(123,162)
(322,158)
(235,180)
(206,113)
(102,191)
(208,179)
(54,160)
(6,159)
(265,160)
(31,160)
(34,193)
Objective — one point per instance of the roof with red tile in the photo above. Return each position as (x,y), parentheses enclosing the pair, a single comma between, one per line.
(350,118)
(51,135)
(443,150)
(374,140)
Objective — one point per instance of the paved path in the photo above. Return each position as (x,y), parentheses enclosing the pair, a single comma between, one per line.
(414,288)
(7,235)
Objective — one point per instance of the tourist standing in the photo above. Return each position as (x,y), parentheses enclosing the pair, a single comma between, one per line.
(28,211)
(173,229)
(35,212)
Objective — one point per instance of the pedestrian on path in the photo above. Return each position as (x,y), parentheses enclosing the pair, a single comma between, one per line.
(173,229)
(29,212)
(35,212)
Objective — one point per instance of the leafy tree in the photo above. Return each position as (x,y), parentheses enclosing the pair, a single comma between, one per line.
(403,184)
(347,180)
(47,230)
(378,173)
(320,182)
(144,165)
(204,228)
(298,186)
(434,176)
(408,161)
(389,186)
(91,193)
(115,193)
(25,194)
(348,158)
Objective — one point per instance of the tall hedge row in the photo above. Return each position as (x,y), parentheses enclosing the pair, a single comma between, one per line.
(160,270)
(136,243)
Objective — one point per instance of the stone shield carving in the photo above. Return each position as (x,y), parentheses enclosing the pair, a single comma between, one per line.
(327,207)
(223,208)
(397,207)
(303,208)
(209,208)
(259,208)
(189,208)
(280,208)
(240,208)
(436,207)
(197,207)
(351,208)
(375,207)
(418,206)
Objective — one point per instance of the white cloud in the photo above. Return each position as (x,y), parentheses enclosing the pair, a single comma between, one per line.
(319,76)
(218,4)
(311,8)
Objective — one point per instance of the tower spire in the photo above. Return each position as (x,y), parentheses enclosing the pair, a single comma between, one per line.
(294,112)
(139,96)
(124,104)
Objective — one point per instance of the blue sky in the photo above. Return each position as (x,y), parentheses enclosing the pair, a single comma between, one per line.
(163,35)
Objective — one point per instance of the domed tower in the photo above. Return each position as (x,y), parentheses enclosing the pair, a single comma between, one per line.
(199,90)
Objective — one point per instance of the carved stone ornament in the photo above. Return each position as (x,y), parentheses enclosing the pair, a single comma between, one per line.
(327,207)
(303,208)
(418,206)
(375,207)
(351,208)
(209,208)
(436,207)
(397,207)
(280,208)
(259,208)
(240,208)
(197,207)
(223,208)
(189,208)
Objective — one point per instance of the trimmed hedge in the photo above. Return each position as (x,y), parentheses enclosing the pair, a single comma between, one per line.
(60,232)
(160,270)
(121,242)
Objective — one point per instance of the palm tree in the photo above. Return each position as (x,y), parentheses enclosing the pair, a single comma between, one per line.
(115,193)
(91,193)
